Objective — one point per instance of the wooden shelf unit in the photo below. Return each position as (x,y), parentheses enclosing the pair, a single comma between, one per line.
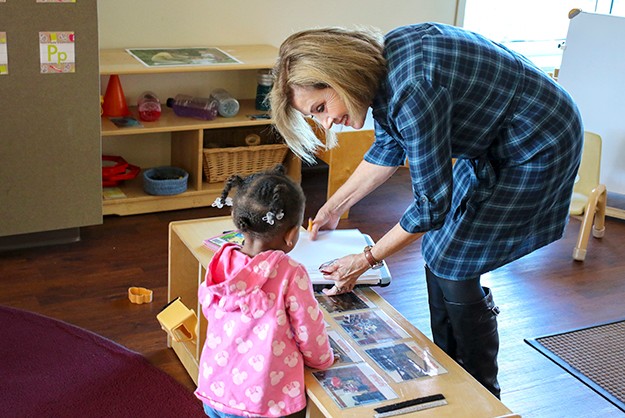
(187,134)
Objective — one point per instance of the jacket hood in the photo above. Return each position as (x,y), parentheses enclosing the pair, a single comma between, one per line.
(234,281)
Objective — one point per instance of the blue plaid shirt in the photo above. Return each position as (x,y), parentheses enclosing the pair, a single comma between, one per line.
(516,135)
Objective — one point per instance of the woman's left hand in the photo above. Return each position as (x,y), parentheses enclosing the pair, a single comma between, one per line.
(345,272)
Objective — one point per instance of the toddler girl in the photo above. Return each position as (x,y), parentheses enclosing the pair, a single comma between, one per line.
(264,323)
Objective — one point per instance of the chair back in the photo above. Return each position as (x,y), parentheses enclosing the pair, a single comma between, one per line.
(589,172)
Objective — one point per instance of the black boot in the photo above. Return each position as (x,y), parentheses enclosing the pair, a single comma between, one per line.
(475,330)
(442,334)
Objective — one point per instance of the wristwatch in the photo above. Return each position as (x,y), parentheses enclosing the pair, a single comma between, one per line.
(375,264)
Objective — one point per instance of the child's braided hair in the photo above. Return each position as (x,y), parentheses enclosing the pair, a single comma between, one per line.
(266,203)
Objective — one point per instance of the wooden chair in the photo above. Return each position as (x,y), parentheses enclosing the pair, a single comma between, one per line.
(589,196)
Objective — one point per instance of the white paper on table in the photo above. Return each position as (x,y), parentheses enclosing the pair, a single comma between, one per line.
(328,246)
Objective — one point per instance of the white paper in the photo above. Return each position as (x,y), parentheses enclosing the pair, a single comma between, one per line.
(328,246)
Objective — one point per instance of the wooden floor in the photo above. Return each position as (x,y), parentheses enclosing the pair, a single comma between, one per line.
(86,284)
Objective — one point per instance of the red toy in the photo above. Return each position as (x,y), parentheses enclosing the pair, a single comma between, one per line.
(113,174)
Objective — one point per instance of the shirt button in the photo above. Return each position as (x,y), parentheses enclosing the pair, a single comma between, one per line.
(424,199)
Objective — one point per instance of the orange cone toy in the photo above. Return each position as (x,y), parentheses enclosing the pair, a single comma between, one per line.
(114,100)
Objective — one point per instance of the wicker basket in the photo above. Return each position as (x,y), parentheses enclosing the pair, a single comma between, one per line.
(221,163)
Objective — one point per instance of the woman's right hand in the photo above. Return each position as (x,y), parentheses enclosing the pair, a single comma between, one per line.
(324,219)
(365,178)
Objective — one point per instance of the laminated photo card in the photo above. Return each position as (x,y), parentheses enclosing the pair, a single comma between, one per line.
(351,301)
(405,361)
(354,385)
(371,327)
(343,351)
(190,56)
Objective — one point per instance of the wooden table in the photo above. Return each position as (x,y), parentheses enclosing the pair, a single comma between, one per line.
(188,258)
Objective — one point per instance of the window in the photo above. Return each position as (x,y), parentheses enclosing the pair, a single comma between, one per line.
(535,28)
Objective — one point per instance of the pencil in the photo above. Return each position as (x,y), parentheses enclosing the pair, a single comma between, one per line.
(310,223)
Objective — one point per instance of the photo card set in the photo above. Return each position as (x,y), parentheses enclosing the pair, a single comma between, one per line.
(351,381)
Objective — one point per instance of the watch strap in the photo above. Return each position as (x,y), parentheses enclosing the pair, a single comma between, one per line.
(373,263)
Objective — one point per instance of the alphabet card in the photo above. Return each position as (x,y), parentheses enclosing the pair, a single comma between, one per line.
(56,50)
(4,57)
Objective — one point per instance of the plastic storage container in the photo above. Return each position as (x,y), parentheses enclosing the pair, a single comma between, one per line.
(228,105)
(265,82)
(149,107)
(194,107)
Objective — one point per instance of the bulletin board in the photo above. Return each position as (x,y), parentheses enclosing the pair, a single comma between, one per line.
(593,71)
(50,171)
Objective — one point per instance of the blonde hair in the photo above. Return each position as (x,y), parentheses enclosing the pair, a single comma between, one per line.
(349,61)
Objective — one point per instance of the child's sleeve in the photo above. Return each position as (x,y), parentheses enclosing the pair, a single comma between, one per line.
(203,293)
(307,321)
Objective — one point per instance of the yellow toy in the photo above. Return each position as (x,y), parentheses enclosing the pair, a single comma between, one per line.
(140,295)
(178,321)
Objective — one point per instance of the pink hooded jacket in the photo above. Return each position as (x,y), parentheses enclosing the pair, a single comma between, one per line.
(264,326)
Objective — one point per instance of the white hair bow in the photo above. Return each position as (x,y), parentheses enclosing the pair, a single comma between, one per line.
(270,216)
(219,203)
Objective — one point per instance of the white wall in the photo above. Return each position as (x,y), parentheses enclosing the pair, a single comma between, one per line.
(154,23)
(171,23)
